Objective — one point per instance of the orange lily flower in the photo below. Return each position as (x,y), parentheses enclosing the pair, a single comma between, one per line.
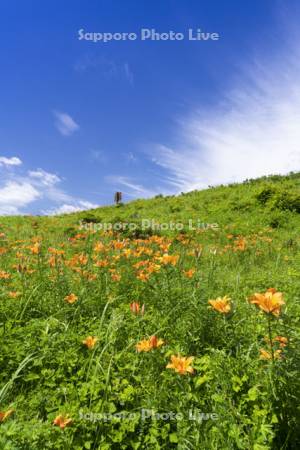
(282,340)
(181,365)
(165,247)
(101,263)
(4,275)
(267,355)
(90,342)
(168,259)
(136,309)
(35,248)
(140,264)
(148,344)
(189,273)
(221,305)
(153,268)
(62,421)
(240,243)
(71,298)
(82,259)
(114,276)
(143,276)
(5,414)
(99,247)
(270,302)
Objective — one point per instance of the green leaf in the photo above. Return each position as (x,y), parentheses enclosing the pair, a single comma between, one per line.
(253,393)
(173,438)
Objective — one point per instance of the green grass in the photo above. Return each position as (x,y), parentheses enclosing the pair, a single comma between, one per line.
(232,400)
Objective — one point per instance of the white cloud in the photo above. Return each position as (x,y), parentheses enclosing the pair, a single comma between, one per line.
(46,178)
(65,124)
(14,161)
(254,130)
(19,193)
(15,195)
(79,205)
(9,210)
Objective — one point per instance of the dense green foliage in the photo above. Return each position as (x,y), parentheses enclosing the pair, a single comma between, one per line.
(234,399)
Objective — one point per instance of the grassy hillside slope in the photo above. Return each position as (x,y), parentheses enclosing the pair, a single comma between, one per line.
(154,338)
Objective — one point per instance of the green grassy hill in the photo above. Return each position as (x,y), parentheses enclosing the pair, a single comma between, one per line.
(160,337)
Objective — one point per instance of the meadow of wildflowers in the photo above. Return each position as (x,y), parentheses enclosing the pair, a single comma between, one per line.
(199,328)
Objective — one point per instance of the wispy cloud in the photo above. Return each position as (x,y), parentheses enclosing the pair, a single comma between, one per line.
(253,130)
(14,161)
(21,192)
(46,178)
(135,189)
(65,124)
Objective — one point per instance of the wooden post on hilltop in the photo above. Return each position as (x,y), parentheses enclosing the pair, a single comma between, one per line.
(118,198)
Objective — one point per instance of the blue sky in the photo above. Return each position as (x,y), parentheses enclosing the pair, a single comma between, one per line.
(80,119)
